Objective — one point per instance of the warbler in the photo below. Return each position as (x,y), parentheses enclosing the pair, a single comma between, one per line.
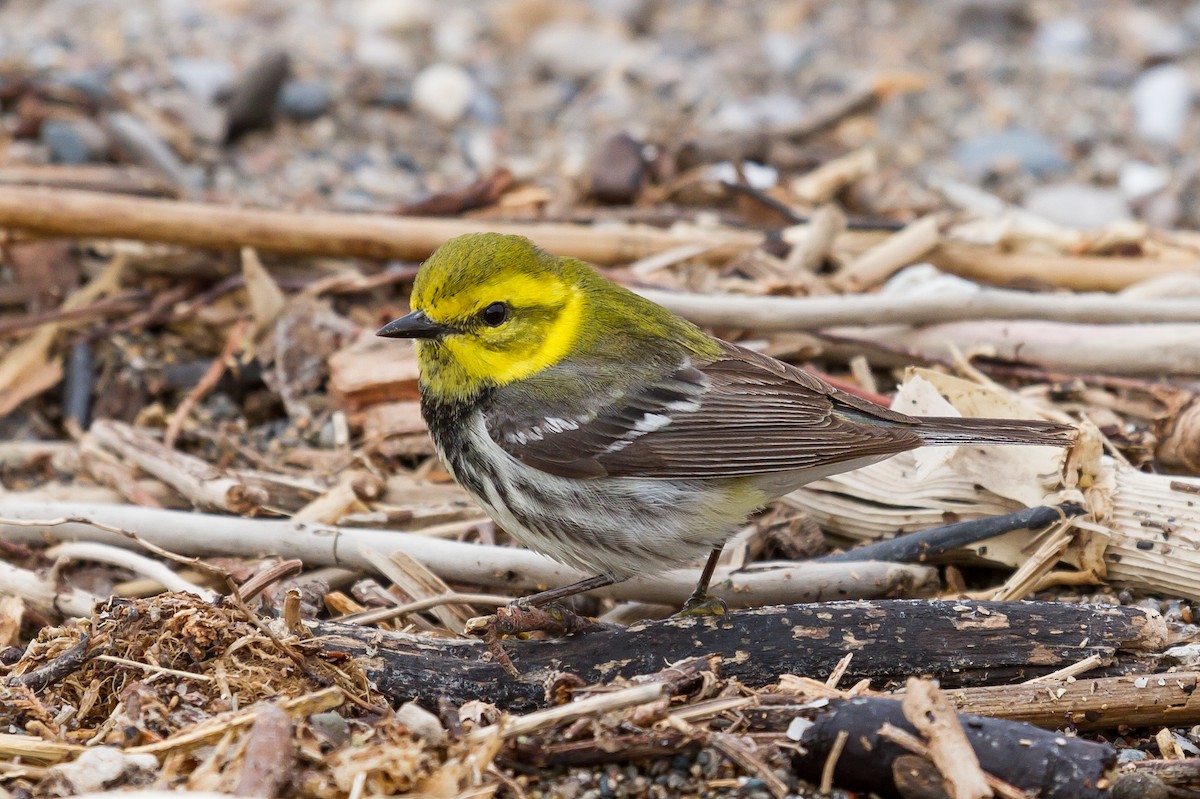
(602,430)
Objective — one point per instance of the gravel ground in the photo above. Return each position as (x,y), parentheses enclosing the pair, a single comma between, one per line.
(1079,111)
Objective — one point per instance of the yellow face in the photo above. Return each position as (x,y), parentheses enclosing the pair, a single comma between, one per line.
(500,310)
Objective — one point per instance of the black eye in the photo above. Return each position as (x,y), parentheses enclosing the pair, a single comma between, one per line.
(495,314)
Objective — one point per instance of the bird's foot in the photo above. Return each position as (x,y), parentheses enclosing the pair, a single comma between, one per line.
(520,619)
(699,606)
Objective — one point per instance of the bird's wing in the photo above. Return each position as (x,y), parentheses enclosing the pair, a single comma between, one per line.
(741,414)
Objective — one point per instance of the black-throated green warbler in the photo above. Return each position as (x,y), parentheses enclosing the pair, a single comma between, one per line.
(602,430)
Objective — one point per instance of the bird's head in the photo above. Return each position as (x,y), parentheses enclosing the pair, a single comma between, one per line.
(489,309)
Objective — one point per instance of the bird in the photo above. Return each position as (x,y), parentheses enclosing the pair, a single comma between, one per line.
(602,430)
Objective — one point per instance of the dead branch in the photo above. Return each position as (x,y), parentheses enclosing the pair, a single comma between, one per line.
(814,313)
(1123,349)
(226,227)
(968,643)
(507,568)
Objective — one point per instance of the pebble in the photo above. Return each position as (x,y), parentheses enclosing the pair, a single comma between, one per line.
(75,141)
(618,170)
(304,99)
(1063,43)
(331,726)
(206,79)
(253,102)
(421,723)
(1131,755)
(1077,205)
(1161,98)
(92,83)
(1138,179)
(393,16)
(576,50)
(443,92)
(1015,149)
(786,52)
(1139,786)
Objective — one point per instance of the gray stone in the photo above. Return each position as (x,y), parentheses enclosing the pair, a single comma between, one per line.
(205,79)
(1161,98)
(576,50)
(1015,149)
(1077,205)
(304,99)
(1063,42)
(76,141)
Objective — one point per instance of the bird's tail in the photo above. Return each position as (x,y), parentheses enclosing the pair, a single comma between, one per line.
(954,430)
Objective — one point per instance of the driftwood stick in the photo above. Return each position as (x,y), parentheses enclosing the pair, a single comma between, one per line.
(991,265)
(1136,700)
(920,546)
(199,481)
(813,313)
(508,568)
(42,594)
(227,227)
(1051,765)
(1169,348)
(976,642)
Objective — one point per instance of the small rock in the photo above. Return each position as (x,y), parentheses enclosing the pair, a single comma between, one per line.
(998,20)
(1077,205)
(103,767)
(205,79)
(304,99)
(394,16)
(1161,98)
(253,102)
(76,141)
(393,94)
(1063,41)
(1155,37)
(1139,785)
(92,84)
(443,92)
(618,170)
(1137,179)
(332,727)
(421,723)
(1016,149)
(1131,755)
(785,52)
(576,50)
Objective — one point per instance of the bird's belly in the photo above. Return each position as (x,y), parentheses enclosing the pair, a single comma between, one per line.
(621,527)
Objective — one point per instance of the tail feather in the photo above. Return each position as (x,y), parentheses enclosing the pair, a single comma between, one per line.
(955,430)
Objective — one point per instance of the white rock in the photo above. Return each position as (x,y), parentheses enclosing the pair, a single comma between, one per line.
(443,92)
(1161,98)
(1077,205)
(101,766)
(396,16)
(1138,179)
(421,723)
(575,50)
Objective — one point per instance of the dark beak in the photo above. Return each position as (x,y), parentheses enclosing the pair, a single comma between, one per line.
(414,325)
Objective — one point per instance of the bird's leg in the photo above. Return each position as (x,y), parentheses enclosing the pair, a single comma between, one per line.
(700,603)
(538,612)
